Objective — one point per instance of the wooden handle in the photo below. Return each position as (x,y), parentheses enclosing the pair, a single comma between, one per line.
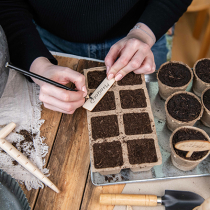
(126,199)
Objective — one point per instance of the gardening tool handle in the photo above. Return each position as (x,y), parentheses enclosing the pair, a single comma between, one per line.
(126,199)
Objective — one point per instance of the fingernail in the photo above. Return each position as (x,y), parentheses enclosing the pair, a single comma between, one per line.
(107,69)
(84,88)
(110,76)
(118,77)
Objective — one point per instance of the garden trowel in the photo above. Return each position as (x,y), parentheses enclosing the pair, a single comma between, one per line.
(172,200)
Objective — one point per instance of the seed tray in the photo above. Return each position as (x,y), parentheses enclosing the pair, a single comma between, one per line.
(112,130)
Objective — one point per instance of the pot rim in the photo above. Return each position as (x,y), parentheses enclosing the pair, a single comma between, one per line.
(183,92)
(204,91)
(194,71)
(179,62)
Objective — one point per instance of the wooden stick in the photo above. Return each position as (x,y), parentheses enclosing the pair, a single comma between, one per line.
(126,199)
(189,154)
(20,158)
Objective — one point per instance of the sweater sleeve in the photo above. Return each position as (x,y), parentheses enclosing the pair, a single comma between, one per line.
(24,42)
(160,15)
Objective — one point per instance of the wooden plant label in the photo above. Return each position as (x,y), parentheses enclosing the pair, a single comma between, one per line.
(98,94)
(193,146)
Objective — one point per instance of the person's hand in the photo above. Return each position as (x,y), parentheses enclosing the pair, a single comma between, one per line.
(56,98)
(132,53)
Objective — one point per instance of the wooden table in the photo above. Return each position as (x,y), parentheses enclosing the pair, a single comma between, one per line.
(68,158)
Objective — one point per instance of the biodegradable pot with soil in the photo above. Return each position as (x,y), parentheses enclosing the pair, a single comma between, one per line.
(205,99)
(121,127)
(201,79)
(178,157)
(172,77)
(182,109)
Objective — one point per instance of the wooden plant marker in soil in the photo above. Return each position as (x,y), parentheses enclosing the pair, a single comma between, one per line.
(193,146)
(20,158)
(98,94)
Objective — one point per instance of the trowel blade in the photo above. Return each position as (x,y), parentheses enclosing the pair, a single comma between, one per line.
(181,200)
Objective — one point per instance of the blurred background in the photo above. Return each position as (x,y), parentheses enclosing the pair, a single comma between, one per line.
(190,39)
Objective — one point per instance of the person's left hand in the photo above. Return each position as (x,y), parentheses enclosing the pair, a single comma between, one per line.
(132,53)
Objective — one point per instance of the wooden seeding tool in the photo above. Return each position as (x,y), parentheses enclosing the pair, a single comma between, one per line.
(20,158)
(193,146)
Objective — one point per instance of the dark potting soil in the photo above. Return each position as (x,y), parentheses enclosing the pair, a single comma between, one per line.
(206,99)
(26,143)
(174,74)
(14,162)
(137,123)
(106,103)
(132,99)
(107,154)
(104,126)
(141,151)
(28,137)
(202,70)
(184,107)
(95,78)
(130,79)
(188,134)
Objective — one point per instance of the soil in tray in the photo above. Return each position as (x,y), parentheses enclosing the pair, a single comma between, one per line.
(141,151)
(137,123)
(104,126)
(174,75)
(132,99)
(106,103)
(130,79)
(107,154)
(203,70)
(95,78)
(184,107)
(188,134)
(206,99)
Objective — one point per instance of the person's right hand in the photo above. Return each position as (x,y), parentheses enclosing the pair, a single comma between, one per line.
(56,98)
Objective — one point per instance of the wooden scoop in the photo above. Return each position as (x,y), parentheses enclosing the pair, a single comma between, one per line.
(20,158)
(193,146)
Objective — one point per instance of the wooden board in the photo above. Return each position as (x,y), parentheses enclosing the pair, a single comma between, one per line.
(49,128)
(68,159)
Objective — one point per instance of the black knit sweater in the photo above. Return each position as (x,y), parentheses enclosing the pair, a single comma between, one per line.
(80,21)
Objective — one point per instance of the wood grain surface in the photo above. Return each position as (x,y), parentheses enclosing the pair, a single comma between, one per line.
(68,159)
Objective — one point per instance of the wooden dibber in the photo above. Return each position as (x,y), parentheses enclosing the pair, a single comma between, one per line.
(98,94)
(130,200)
(20,158)
(193,146)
